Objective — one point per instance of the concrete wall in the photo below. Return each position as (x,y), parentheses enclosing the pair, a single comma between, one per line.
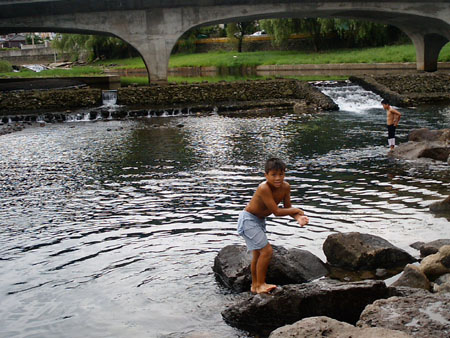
(34,55)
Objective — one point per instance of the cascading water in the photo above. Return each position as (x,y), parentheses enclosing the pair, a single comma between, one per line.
(109,97)
(350,97)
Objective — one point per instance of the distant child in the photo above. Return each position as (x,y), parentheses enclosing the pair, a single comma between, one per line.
(252,223)
(393,118)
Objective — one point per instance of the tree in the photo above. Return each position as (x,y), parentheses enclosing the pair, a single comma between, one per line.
(279,29)
(237,31)
(95,46)
(350,32)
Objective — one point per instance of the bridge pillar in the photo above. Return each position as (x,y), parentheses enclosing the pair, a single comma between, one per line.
(153,33)
(155,52)
(428,47)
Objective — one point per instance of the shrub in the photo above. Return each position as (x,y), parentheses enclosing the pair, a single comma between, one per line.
(5,67)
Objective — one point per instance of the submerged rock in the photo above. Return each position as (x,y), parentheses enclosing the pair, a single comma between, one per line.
(317,327)
(420,315)
(357,251)
(232,267)
(441,206)
(287,304)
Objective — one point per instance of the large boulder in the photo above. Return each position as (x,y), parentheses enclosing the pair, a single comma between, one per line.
(441,206)
(436,265)
(232,267)
(414,278)
(318,327)
(357,251)
(425,134)
(415,150)
(425,143)
(263,313)
(420,315)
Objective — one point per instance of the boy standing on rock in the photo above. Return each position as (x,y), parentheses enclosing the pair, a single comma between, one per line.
(393,118)
(252,223)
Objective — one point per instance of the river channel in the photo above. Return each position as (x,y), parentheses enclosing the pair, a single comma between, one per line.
(110,228)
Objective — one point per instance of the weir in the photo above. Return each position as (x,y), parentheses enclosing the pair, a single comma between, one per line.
(350,97)
(109,97)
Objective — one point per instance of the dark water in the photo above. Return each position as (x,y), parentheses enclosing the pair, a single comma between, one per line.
(110,229)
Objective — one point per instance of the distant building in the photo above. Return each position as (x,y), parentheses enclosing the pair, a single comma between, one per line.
(12,41)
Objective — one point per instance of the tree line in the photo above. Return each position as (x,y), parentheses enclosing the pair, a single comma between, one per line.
(322,33)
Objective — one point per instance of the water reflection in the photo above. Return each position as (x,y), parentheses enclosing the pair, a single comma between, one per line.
(111,228)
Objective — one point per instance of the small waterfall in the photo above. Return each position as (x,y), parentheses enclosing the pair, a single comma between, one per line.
(350,97)
(109,97)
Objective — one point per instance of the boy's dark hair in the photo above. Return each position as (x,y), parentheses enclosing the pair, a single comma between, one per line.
(274,164)
(385,101)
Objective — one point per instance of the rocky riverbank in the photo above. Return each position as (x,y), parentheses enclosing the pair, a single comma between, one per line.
(223,95)
(309,301)
(410,89)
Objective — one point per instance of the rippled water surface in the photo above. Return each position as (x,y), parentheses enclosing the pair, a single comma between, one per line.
(110,229)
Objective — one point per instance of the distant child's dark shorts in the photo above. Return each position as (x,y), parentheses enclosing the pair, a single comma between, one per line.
(391,131)
(253,229)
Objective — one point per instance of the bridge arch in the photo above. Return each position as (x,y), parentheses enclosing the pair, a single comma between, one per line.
(153,27)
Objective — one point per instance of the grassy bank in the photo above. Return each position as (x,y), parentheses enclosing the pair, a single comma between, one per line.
(388,54)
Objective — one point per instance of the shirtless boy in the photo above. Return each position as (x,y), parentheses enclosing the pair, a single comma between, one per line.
(252,224)
(393,118)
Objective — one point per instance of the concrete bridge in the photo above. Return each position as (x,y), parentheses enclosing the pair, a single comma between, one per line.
(154,26)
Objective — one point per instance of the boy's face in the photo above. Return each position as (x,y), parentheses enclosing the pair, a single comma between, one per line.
(275,178)
(385,106)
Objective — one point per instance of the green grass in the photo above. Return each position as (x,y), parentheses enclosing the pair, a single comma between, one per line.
(388,54)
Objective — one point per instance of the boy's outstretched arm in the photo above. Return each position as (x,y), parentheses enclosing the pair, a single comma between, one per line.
(300,217)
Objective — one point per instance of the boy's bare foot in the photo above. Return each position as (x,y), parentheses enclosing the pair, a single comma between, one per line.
(265,288)
(253,289)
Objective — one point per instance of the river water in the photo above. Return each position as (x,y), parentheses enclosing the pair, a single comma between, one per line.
(110,229)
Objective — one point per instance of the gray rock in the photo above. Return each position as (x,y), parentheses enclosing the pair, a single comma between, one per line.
(442,284)
(404,291)
(420,315)
(441,206)
(443,279)
(318,327)
(285,305)
(432,247)
(436,151)
(417,245)
(357,251)
(232,267)
(414,278)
